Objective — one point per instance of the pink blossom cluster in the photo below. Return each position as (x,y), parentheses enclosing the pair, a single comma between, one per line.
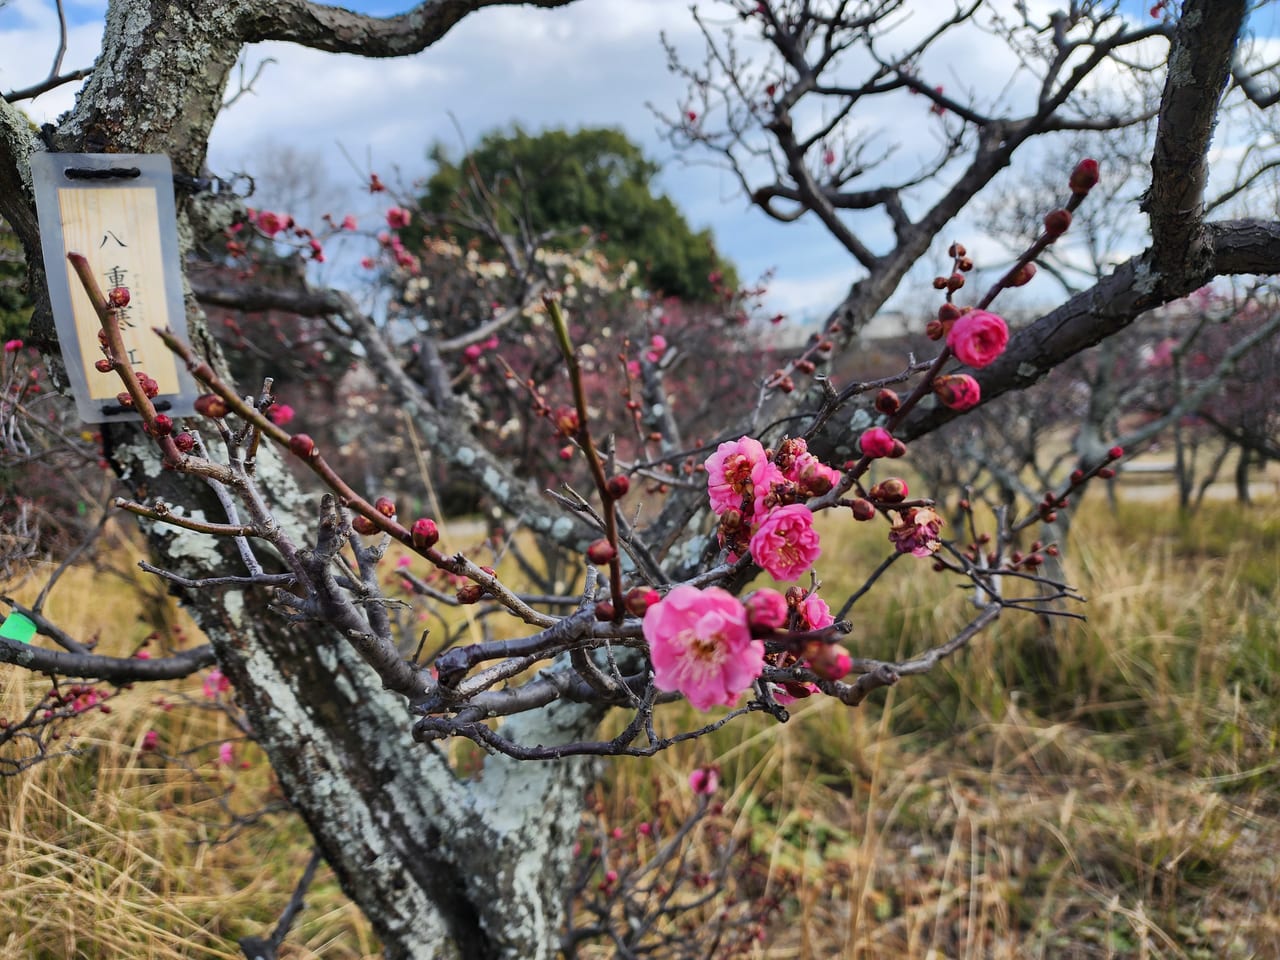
(215,683)
(769,610)
(759,497)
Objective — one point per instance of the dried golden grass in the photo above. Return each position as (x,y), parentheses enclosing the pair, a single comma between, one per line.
(1112,793)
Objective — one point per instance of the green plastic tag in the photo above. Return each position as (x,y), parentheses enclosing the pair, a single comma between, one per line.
(18,627)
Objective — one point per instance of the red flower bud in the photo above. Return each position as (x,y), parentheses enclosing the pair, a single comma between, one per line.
(163,425)
(618,486)
(118,297)
(899,450)
(1056,222)
(124,399)
(363,525)
(185,442)
(1106,473)
(1022,276)
(955,282)
(935,330)
(887,401)
(956,250)
(104,365)
(470,593)
(640,599)
(948,313)
(211,405)
(385,506)
(425,533)
(1115,453)
(890,490)
(605,611)
(301,445)
(601,551)
(862,509)
(1084,177)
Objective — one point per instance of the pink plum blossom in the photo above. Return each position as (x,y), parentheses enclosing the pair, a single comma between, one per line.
(729,472)
(348,222)
(816,612)
(12,346)
(916,531)
(397,218)
(978,337)
(150,740)
(701,645)
(785,544)
(271,223)
(876,442)
(226,753)
(765,475)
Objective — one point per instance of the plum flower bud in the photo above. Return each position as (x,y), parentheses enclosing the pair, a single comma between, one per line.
(889,490)
(618,486)
(425,533)
(104,365)
(876,442)
(1022,276)
(185,442)
(704,781)
(162,426)
(958,391)
(1084,177)
(862,509)
(640,599)
(118,298)
(280,414)
(935,330)
(887,401)
(363,525)
(766,610)
(1115,453)
(211,405)
(605,612)
(385,506)
(601,551)
(301,445)
(1056,222)
(470,593)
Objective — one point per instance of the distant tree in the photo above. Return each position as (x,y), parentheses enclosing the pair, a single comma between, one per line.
(559,183)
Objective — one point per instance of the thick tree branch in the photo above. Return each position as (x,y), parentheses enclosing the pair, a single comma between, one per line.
(1199,66)
(336,30)
(1235,247)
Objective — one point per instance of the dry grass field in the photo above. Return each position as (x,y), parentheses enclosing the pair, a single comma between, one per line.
(1106,791)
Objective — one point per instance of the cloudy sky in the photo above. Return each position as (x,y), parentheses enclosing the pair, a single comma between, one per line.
(597,62)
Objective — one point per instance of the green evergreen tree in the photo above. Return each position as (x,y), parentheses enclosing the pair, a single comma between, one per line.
(594,178)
